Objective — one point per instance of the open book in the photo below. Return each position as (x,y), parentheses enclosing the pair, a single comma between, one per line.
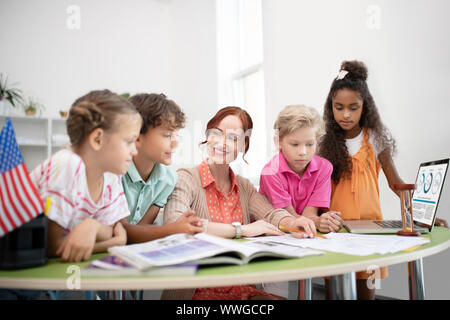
(203,249)
(110,266)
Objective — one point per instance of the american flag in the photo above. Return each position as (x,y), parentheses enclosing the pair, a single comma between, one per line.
(19,199)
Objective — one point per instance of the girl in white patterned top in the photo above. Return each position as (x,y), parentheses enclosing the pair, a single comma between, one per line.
(83,181)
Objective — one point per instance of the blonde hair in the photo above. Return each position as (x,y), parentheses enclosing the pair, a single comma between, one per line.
(298,116)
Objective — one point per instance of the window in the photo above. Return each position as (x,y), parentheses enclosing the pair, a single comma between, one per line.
(240,74)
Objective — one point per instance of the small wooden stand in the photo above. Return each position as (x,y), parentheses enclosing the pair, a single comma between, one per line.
(406,207)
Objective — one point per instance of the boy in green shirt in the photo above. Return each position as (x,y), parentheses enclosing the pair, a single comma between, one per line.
(149,180)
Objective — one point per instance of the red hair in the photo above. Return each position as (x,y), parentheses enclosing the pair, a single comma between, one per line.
(247,123)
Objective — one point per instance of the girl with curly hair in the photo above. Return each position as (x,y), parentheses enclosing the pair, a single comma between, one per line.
(358,145)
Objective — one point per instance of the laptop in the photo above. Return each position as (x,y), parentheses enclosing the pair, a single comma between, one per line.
(429,184)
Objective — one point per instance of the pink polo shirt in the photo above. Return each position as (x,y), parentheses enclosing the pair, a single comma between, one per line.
(283,187)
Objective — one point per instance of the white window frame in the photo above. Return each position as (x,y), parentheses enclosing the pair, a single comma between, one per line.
(231,83)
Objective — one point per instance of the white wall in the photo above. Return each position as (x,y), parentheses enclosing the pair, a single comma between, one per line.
(409,73)
(193,72)
(114,48)
(135,46)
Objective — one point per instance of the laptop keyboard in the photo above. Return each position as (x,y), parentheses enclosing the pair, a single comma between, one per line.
(390,224)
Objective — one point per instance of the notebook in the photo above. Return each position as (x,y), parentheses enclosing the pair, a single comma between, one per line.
(429,184)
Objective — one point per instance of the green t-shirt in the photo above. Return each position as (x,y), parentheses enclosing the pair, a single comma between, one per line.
(142,194)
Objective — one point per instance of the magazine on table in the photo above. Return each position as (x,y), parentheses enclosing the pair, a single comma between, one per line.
(115,266)
(203,249)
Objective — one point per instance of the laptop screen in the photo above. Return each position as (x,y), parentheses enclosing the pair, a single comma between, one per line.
(429,182)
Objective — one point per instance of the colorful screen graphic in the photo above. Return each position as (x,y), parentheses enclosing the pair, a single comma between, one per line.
(426,195)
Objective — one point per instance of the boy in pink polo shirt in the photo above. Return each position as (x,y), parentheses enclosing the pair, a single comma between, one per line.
(296,179)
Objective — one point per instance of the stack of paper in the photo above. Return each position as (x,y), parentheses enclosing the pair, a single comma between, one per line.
(348,243)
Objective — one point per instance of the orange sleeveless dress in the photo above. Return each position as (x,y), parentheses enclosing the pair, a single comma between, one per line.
(358,197)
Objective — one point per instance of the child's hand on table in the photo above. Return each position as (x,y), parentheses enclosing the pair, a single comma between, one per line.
(119,234)
(78,244)
(441,223)
(189,224)
(330,221)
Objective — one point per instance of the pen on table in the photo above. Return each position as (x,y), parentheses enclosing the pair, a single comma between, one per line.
(47,206)
(295,230)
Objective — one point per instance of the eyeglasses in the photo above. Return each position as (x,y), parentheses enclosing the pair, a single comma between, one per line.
(229,135)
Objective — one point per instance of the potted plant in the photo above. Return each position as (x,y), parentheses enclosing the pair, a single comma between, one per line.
(7,93)
(32,106)
(63,113)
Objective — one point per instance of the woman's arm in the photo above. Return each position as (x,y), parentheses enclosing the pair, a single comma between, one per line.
(259,207)
(223,230)
(253,229)
(180,200)
(292,211)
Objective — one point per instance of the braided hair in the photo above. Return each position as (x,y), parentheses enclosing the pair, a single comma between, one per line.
(96,109)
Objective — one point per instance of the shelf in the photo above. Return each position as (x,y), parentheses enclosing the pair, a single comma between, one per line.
(38,137)
(23,141)
(23,117)
(32,144)
(60,144)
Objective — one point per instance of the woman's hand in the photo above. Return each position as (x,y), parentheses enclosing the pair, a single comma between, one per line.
(79,243)
(330,221)
(258,228)
(302,224)
(189,224)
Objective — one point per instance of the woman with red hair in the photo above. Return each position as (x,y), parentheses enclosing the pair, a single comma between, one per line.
(227,202)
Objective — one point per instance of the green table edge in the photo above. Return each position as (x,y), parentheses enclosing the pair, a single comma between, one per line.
(56,270)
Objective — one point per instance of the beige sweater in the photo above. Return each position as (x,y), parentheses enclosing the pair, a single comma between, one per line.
(190,195)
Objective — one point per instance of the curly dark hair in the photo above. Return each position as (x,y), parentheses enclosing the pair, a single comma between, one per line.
(157,109)
(332,146)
